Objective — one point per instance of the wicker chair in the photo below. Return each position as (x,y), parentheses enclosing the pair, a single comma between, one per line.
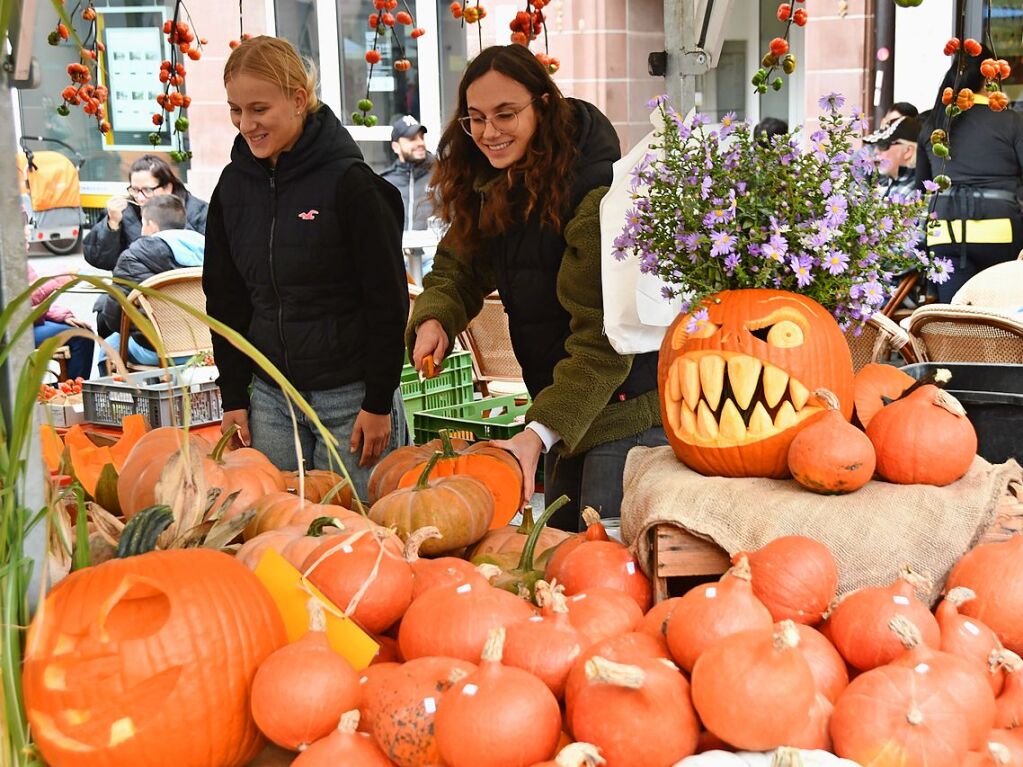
(877,340)
(182,335)
(489,341)
(948,333)
(998,287)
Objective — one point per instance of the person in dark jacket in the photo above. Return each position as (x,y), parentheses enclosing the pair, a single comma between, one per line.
(165,244)
(149,177)
(303,257)
(894,146)
(520,174)
(978,220)
(410,172)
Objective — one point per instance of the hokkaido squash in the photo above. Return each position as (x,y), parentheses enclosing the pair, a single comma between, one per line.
(442,571)
(495,467)
(831,456)
(605,563)
(1009,704)
(636,713)
(595,531)
(522,723)
(345,745)
(739,671)
(576,755)
(460,506)
(318,484)
(300,691)
(968,637)
(601,613)
(924,438)
(994,572)
(830,675)
(875,386)
(794,576)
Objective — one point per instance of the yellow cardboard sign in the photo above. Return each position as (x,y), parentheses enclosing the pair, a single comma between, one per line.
(288,589)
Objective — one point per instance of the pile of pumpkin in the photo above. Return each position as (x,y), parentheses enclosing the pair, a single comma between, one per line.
(907,431)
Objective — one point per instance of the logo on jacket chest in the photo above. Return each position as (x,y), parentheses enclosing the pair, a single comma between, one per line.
(309,215)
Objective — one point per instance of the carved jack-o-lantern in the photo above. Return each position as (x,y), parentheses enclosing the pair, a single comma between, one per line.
(736,391)
(148,661)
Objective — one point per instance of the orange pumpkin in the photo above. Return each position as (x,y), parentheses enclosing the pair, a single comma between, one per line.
(831,456)
(276,510)
(508,541)
(133,658)
(875,386)
(924,438)
(318,484)
(458,505)
(345,745)
(493,466)
(392,467)
(736,391)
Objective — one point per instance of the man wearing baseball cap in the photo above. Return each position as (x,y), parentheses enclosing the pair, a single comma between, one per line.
(894,147)
(410,172)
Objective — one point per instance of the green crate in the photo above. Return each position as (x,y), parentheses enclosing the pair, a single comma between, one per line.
(451,386)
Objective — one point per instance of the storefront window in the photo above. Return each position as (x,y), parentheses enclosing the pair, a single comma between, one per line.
(296,23)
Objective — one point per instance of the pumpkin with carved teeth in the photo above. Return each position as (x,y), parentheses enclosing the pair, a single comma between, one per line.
(736,390)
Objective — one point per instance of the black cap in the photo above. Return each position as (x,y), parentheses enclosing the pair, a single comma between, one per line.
(901,129)
(406,126)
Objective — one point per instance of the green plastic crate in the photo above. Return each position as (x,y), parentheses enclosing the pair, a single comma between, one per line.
(451,386)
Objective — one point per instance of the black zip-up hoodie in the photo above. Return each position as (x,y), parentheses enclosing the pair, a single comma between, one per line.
(305,260)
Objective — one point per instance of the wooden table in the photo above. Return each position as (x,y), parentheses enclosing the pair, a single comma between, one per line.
(679,553)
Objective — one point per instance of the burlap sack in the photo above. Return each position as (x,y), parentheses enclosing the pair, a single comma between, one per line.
(871,532)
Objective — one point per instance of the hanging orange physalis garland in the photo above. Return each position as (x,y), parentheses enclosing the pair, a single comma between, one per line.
(380,21)
(778,55)
(525,27)
(172,75)
(81,92)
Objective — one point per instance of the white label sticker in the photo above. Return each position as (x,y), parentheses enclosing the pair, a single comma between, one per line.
(971,627)
(470,689)
(347,549)
(900,600)
(465,588)
(430,705)
(921,668)
(630,567)
(536,619)
(711,592)
(577,597)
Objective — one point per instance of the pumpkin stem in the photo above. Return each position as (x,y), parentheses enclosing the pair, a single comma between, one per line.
(580,755)
(740,569)
(1000,753)
(590,516)
(604,671)
(417,538)
(526,560)
(317,525)
(915,716)
(489,570)
(786,636)
(456,675)
(828,398)
(549,594)
(959,596)
(447,449)
(217,453)
(141,531)
(527,524)
(493,650)
(907,631)
(317,618)
(920,581)
(424,478)
(1005,659)
(938,378)
(787,756)
(945,400)
(333,493)
(349,722)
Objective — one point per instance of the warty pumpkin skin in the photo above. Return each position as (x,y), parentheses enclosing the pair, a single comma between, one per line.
(147,661)
(735,392)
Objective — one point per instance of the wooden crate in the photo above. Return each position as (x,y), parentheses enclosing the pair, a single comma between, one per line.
(679,553)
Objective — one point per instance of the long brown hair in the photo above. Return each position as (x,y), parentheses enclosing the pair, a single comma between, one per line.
(542,173)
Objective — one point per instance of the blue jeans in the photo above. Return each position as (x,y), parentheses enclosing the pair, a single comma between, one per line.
(81,348)
(136,353)
(593,478)
(271,428)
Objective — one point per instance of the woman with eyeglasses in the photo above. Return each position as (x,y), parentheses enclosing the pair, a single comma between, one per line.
(149,176)
(520,175)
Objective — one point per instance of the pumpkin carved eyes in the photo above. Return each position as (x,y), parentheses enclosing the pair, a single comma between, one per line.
(706,330)
(785,335)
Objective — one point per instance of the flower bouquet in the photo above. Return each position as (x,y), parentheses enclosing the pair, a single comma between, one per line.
(719,209)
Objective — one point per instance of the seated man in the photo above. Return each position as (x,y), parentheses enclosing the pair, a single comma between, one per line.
(165,244)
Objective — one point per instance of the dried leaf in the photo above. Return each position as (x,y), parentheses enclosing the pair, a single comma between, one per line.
(183,487)
(226,530)
(228,502)
(193,537)
(106,524)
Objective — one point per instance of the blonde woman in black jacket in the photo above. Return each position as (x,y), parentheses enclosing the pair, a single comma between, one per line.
(303,256)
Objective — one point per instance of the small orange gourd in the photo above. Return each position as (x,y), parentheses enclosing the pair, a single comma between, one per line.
(831,456)
(345,745)
(300,691)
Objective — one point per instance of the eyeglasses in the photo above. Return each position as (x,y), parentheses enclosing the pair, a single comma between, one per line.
(143,191)
(505,121)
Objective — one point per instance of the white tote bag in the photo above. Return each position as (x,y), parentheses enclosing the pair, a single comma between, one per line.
(636,314)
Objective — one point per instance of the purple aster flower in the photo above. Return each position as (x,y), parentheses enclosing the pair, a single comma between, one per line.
(722,243)
(657,101)
(776,248)
(859,119)
(825,187)
(801,267)
(886,224)
(930,186)
(727,124)
(698,319)
(731,262)
(873,293)
(836,262)
(705,187)
(831,102)
(835,210)
(717,216)
(941,269)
